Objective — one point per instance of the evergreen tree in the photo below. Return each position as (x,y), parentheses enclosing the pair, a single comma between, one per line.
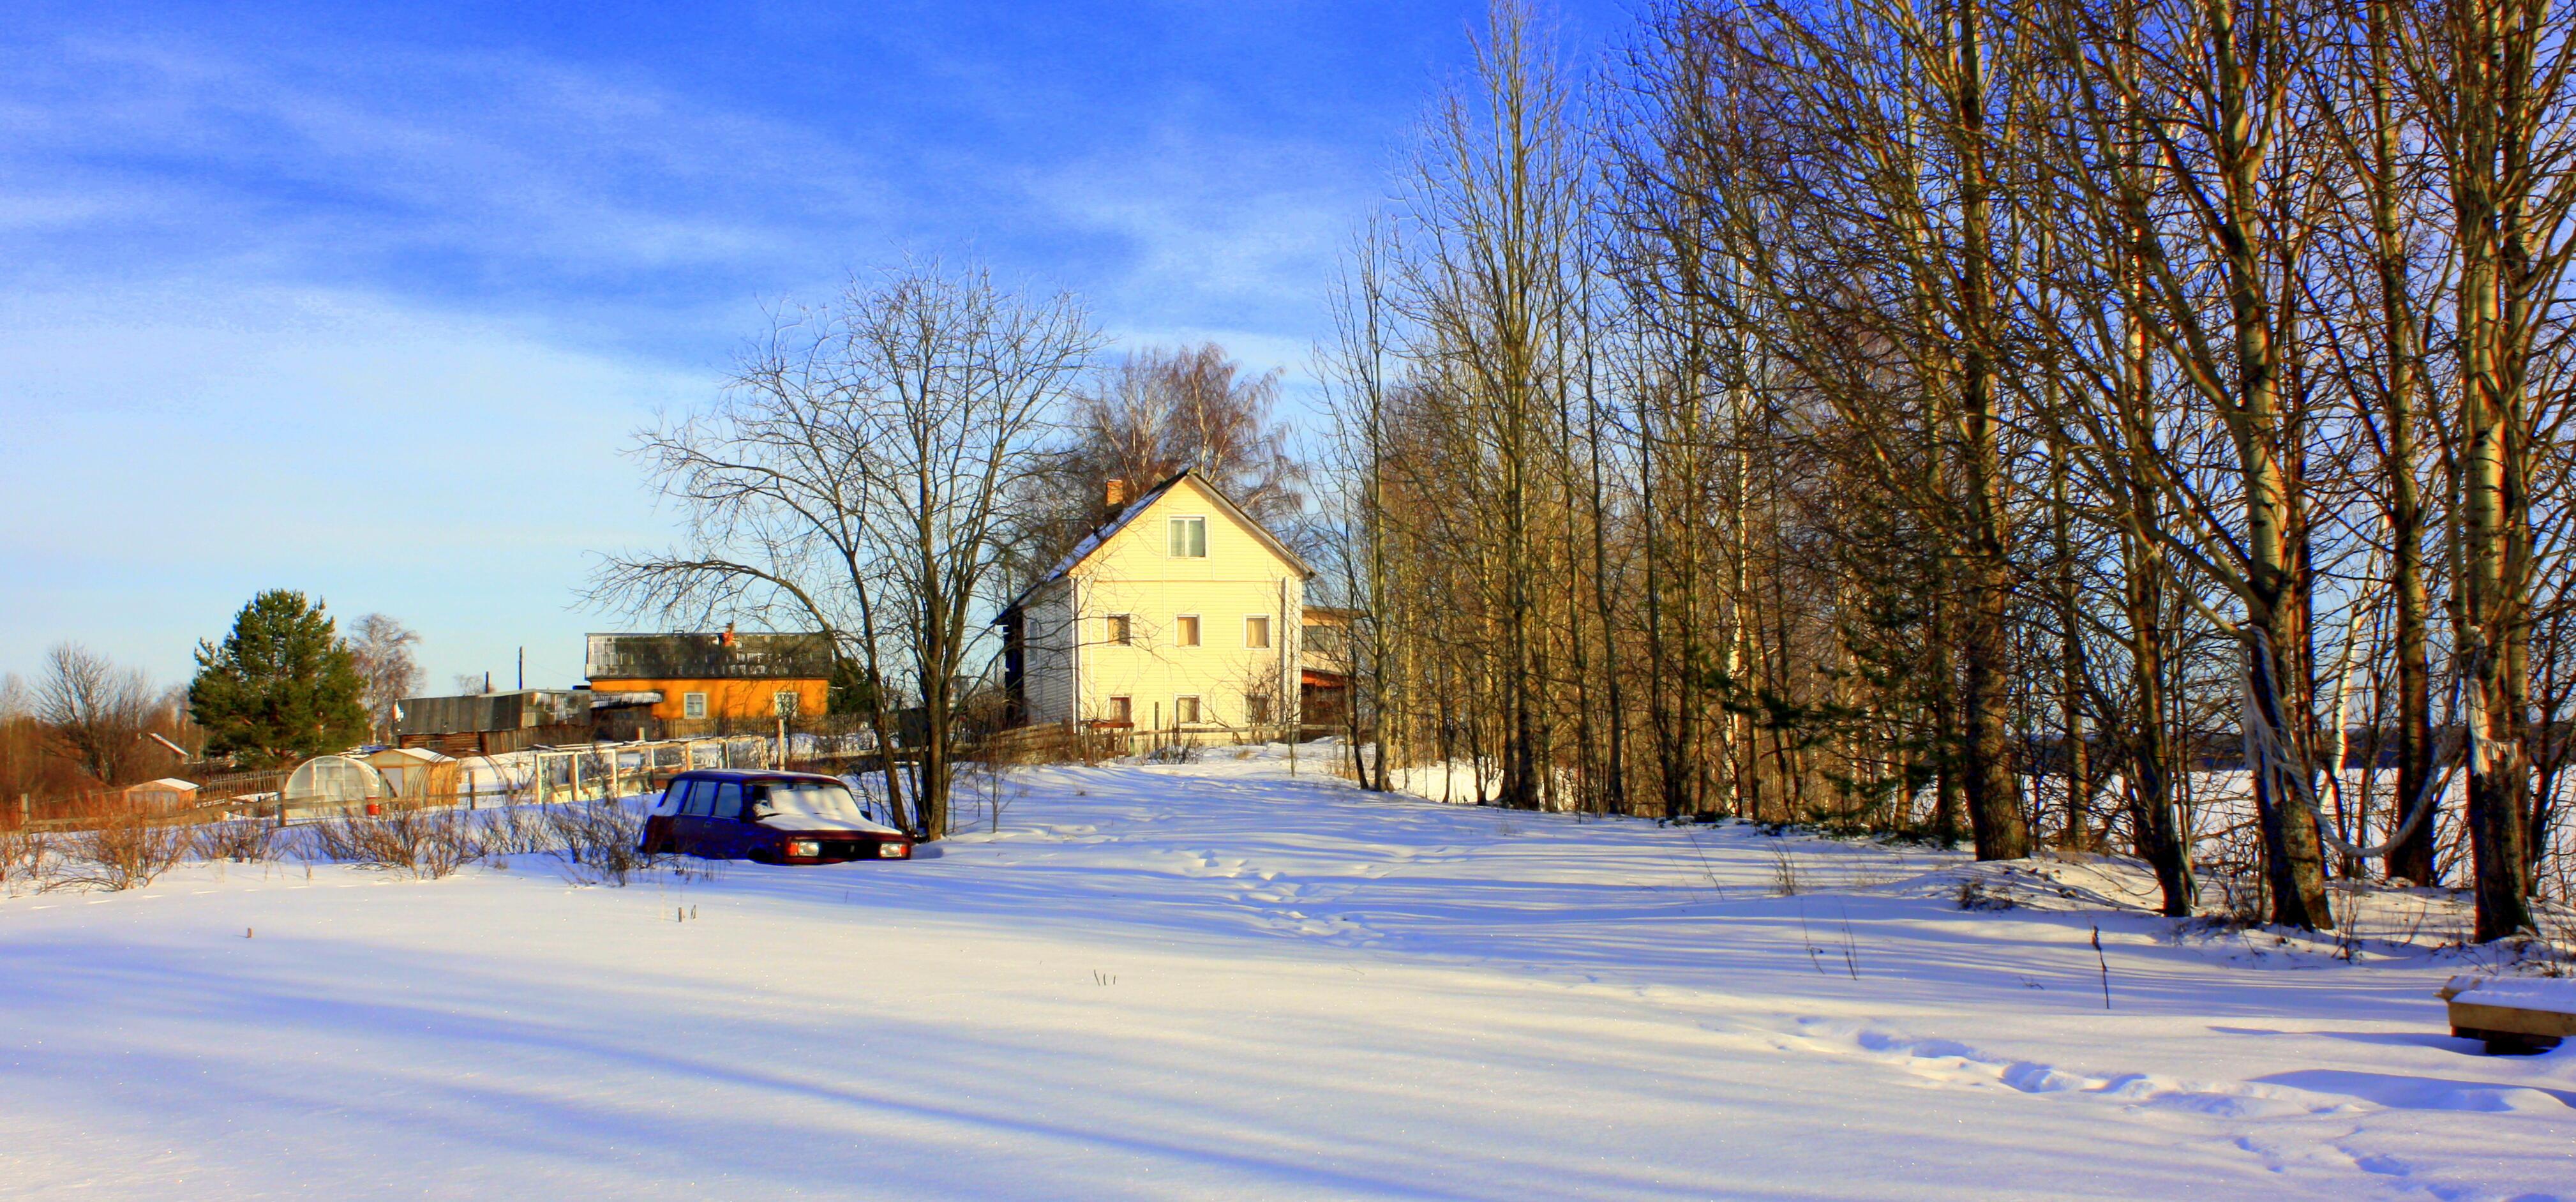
(281,687)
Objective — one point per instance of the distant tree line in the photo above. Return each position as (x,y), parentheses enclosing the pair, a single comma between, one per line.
(281,686)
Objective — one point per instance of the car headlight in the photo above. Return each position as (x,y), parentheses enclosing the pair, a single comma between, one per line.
(803,847)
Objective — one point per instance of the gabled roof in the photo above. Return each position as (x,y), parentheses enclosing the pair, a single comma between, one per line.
(1092,543)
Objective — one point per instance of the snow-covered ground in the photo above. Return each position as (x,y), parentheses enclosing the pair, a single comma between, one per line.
(1215,981)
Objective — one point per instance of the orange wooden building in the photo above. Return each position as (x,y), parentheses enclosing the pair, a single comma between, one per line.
(719,681)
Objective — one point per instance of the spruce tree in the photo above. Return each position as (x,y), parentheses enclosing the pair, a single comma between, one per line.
(281,687)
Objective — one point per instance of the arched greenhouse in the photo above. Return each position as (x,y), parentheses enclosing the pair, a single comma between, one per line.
(334,780)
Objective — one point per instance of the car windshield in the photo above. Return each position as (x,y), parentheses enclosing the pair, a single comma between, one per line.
(812,804)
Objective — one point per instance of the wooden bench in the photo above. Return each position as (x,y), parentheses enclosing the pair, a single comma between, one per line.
(2516,1016)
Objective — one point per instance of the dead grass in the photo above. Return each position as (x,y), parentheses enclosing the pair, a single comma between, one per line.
(1784,869)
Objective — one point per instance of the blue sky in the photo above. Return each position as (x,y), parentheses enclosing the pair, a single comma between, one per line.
(368,303)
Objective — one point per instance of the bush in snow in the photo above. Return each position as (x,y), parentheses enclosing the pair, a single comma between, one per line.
(597,843)
(243,841)
(429,844)
(23,854)
(125,852)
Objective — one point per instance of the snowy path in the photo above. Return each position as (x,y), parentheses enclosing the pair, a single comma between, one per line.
(1212,981)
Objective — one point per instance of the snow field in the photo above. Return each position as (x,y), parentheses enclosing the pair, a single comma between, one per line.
(1214,980)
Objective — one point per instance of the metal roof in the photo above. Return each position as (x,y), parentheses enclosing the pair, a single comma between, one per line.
(706,656)
(1092,542)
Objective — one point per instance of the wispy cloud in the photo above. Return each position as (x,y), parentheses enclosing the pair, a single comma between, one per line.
(373,312)
(516,170)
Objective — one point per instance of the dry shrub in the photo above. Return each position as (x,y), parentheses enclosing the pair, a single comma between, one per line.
(515,830)
(23,854)
(1973,895)
(243,841)
(429,844)
(597,842)
(123,852)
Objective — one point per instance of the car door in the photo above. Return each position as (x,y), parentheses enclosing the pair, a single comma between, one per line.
(691,829)
(658,833)
(727,834)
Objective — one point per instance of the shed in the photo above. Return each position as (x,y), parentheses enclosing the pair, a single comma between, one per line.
(167,793)
(491,723)
(408,771)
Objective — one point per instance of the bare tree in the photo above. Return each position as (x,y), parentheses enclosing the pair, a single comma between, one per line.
(383,649)
(857,479)
(95,712)
(1153,414)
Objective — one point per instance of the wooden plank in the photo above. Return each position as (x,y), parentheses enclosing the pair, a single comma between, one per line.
(2473,1017)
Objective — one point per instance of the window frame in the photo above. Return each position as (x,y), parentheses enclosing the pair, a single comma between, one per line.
(783,703)
(1197,715)
(1269,632)
(1122,710)
(1173,544)
(731,790)
(1122,630)
(1190,625)
(693,706)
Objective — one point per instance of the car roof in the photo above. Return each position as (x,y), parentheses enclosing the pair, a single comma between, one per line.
(753,774)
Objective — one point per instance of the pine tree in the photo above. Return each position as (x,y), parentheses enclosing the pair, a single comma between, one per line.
(281,687)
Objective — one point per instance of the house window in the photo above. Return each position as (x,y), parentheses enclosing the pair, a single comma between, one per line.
(1256,631)
(1187,632)
(1122,712)
(1121,630)
(1185,711)
(1256,708)
(784,702)
(693,705)
(1189,538)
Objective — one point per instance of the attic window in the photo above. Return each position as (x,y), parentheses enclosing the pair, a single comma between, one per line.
(1189,538)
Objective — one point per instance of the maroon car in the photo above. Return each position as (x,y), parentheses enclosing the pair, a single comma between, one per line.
(770,817)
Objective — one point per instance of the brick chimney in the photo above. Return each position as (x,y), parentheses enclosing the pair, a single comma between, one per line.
(1117,495)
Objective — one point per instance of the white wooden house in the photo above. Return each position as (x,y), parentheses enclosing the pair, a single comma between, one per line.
(1180,614)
